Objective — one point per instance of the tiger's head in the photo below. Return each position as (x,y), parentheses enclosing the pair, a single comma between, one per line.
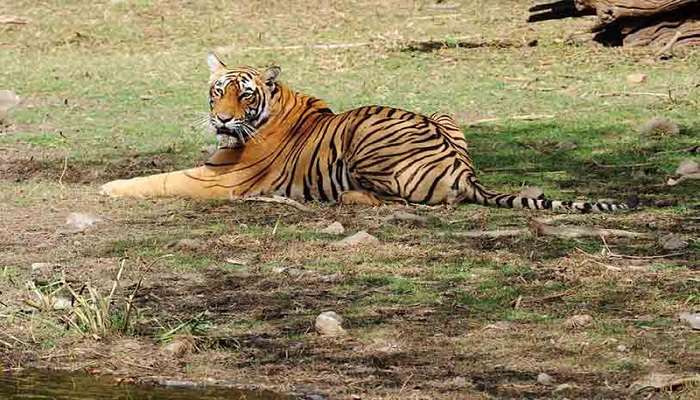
(239,101)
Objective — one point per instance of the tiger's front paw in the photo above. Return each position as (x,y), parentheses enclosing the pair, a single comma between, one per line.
(115,188)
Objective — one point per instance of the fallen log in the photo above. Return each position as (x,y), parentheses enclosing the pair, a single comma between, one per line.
(661,23)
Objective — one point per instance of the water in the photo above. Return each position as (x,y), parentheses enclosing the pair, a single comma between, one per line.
(37,384)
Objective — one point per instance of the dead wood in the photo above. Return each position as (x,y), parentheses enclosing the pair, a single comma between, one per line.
(574,232)
(278,200)
(661,23)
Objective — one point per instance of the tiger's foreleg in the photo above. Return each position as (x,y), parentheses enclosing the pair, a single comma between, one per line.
(201,182)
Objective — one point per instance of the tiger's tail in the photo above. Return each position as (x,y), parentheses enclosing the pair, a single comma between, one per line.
(480,195)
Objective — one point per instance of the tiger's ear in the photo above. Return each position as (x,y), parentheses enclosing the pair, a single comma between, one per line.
(270,75)
(215,64)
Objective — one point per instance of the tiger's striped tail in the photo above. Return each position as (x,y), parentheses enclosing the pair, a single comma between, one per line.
(481,195)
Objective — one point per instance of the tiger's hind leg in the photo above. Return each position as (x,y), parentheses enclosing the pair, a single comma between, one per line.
(359,197)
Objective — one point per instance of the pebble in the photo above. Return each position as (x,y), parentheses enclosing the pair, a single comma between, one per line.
(336,228)
(329,323)
(545,379)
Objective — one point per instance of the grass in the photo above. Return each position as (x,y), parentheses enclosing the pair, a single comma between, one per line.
(114,90)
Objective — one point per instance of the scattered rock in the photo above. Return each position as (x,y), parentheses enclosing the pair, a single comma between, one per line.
(188,245)
(687,167)
(406,217)
(659,127)
(358,239)
(532,192)
(578,321)
(692,319)
(78,222)
(62,303)
(622,348)
(562,388)
(636,78)
(179,346)
(673,242)
(545,379)
(336,228)
(329,323)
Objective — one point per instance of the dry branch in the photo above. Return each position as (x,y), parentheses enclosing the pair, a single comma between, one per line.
(575,232)
(278,200)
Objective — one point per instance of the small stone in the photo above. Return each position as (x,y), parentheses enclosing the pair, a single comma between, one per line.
(692,319)
(579,321)
(79,222)
(328,323)
(673,242)
(545,379)
(687,167)
(179,346)
(358,239)
(636,78)
(336,228)
(62,303)
(622,348)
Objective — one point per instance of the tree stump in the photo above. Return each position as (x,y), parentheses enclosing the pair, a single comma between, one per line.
(631,22)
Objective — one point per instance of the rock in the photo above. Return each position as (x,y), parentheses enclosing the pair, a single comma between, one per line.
(79,222)
(687,167)
(336,228)
(62,303)
(328,323)
(545,379)
(578,321)
(692,319)
(673,242)
(621,348)
(659,126)
(188,245)
(406,217)
(179,346)
(636,78)
(358,239)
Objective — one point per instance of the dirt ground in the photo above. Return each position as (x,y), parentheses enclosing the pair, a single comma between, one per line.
(229,292)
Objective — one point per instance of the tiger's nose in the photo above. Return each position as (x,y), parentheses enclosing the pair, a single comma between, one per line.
(224,118)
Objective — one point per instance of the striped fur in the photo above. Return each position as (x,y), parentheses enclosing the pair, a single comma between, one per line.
(273,140)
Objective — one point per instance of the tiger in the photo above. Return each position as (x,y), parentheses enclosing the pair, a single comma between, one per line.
(272,140)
